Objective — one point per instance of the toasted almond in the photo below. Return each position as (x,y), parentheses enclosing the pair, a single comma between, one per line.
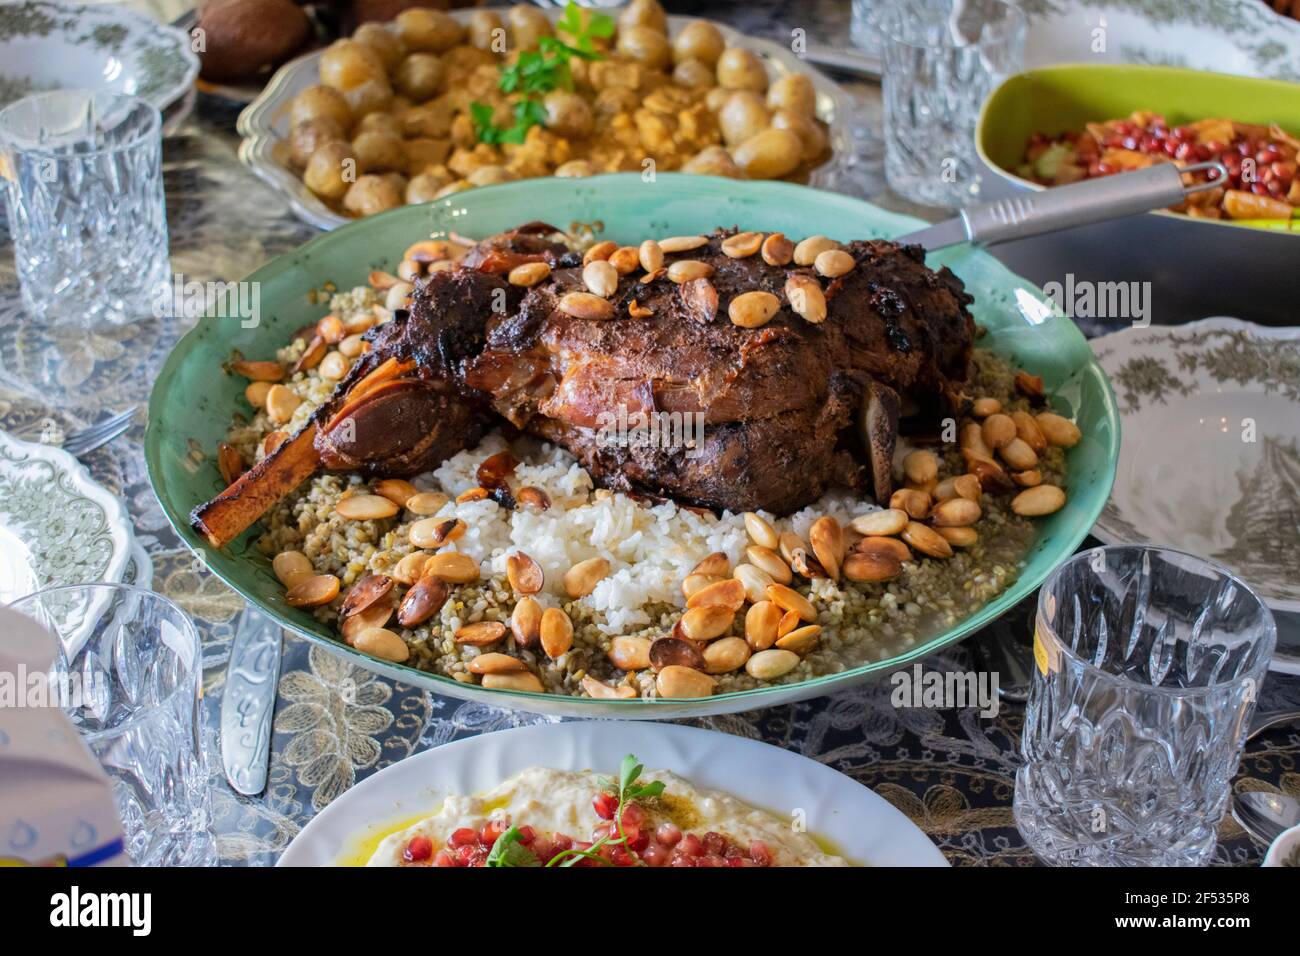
(382,643)
(584,305)
(968,486)
(916,504)
(1031,386)
(426,502)
(396,490)
(528,274)
(801,640)
(230,463)
(433,533)
(770,563)
(684,270)
(432,250)
(600,278)
(760,531)
(676,649)
(581,579)
(601,250)
(1018,454)
(695,582)
(872,566)
(495,663)
(334,366)
(955,513)
(959,537)
(365,592)
(526,622)
(531,497)
(728,593)
(992,476)
(777,250)
(637,311)
(524,682)
(886,521)
(705,622)
(651,255)
(453,566)
(1028,431)
(806,298)
(1058,430)
(273,440)
(682,243)
(480,633)
(281,403)
(424,599)
(827,538)
(292,567)
(725,655)
(602,691)
(314,591)
(1028,479)
(998,430)
(971,438)
(473,494)
(947,488)
(742,245)
(834,263)
(921,466)
(365,508)
(885,546)
(806,565)
(410,567)
(984,407)
(382,280)
(755,581)
(676,681)
(926,540)
(556,632)
(807,251)
(761,622)
(376,615)
(525,574)
(652,276)
(311,357)
(625,259)
(629,653)
(715,564)
(1038,501)
(771,664)
(255,393)
(790,621)
(791,600)
(787,544)
(258,371)
(752,310)
(352,346)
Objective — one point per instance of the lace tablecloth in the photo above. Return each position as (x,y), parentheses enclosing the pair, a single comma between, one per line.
(949,771)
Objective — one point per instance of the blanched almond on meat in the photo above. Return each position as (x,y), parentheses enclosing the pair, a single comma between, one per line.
(382,643)
(742,245)
(425,599)
(365,508)
(1029,432)
(699,300)
(955,513)
(684,270)
(525,574)
(313,591)
(600,278)
(1058,430)
(834,263)
(752,310)
(777,250)
(682,243)
(556,632)
(872,566)
(494,663)
(524,682)
(770,563)
(364,593)
(801,640)
(728,593)
(584,305)
(715,564)
(791,600)
(959,537)
(755,581)
(651,255)
(581,579)
(291,567)
(629,653)
(725,655)
(1038,501)
(707,622)
(827,539)
(806,298)
(761,622)
(882,545)
(624,259)
(480,633)
(453,566)
(771,664)
(675,681)
(675,651)
(807,251)
(526,622)
(601,250)
(528,274)
(915,504)
(602,691)
(886,521)
(760,531)
(926,540)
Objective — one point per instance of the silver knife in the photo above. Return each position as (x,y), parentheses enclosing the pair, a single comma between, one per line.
(248,701)
(1064,207)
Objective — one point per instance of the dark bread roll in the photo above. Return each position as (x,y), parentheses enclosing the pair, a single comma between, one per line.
(243,37)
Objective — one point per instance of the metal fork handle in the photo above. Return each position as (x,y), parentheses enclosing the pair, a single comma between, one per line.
(1083,203)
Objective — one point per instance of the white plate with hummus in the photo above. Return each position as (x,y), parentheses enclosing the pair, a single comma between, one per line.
(723,799)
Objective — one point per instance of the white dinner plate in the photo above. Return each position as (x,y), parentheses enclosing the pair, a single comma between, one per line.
(855,822)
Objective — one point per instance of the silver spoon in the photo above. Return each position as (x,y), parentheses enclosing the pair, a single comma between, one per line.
(1265,815)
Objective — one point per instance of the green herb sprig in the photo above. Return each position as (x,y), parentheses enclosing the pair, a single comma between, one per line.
(627,789)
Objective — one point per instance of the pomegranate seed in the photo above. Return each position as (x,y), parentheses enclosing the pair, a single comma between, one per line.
(466,853)
(420,848)
(714,843)
(443,858)
(527,835)
(691,845)
(668,834)
(604,804)
(760,853)
(656,855)
(465,836)
(637,842)
(492,830)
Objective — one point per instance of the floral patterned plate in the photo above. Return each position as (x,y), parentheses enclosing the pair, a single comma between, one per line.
(57,525)
(1210,459)
(46,45)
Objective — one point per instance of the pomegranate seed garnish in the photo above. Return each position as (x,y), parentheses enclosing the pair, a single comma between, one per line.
(443,858)
(760,853)
(465,836)
(668,834)
(604,804)
(420,848)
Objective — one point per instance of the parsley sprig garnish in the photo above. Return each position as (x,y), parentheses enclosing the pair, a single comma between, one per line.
(509,851)
(539,71)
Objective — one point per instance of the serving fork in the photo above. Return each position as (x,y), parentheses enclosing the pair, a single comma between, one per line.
(101,433)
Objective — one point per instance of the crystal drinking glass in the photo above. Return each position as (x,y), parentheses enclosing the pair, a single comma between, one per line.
(132,660)
(941,60)
(83,175)
(1149,666)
